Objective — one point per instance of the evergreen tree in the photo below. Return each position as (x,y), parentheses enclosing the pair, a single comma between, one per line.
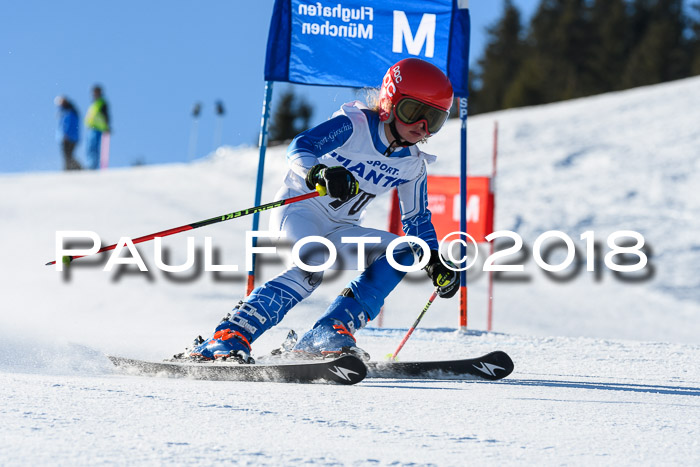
(528,87)
(611,42)
(537,77)
(694,55)
(558,51)
(500,62)
(573,33)
(291,117)
(575,48)
(660,53)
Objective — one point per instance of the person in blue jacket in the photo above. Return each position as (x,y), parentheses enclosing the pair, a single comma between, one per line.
(359,154)
(68,131)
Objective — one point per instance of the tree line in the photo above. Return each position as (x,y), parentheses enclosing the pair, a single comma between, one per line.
(577,48)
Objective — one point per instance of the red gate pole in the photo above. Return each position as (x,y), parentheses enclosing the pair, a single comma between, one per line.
(395,228)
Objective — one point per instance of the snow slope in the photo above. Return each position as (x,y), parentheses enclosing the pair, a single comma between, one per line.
(606,370)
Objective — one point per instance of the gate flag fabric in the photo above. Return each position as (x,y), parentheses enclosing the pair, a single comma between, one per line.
(443,202)
(353,42)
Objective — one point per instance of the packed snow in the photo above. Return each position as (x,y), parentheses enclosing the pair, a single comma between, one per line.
(606,368)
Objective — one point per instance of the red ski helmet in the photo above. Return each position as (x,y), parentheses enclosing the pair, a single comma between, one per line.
(410,80)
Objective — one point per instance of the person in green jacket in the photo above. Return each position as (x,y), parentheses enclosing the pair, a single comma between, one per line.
(97,122)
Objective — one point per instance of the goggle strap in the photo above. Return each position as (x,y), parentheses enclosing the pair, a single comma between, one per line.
(397,138)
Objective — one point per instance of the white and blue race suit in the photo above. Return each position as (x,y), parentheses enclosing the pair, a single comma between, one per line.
(355,139)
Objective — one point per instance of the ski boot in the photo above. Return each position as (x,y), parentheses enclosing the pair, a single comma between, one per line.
(332,335)
(225,344)
(231,338)
(263,308)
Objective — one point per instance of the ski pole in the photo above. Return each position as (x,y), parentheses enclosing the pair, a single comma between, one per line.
(415,325)
(213,220)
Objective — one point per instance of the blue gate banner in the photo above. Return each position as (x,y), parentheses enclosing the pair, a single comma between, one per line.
(353,42)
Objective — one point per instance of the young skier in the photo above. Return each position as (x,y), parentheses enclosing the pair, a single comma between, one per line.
(356,155)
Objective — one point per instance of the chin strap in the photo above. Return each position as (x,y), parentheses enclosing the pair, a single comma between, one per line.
(398,142)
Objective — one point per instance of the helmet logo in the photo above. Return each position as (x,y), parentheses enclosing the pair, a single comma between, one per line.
(389,83)
(389,86)
(397,74)
(390,89)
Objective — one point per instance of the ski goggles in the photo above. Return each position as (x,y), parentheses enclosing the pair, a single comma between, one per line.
(410,112)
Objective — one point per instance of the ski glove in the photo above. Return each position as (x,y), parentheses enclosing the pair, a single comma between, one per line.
(445,279)
(337,181)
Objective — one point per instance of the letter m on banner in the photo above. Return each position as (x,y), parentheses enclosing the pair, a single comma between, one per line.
(425,35)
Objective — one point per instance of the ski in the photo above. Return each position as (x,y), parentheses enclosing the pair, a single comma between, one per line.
(492,366)
(346,369)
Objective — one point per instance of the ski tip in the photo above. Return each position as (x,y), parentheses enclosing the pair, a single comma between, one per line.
(492,367)
(496,365)
(347,369)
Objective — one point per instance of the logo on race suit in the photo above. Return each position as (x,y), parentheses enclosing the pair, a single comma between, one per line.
(371,171)
(313,279)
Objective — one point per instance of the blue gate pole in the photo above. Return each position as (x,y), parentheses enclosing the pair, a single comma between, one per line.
(264,124)
(463,105)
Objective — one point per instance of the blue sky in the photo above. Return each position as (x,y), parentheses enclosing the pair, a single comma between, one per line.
(154,59)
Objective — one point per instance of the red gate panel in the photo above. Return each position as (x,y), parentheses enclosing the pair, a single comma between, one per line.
(443,202)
